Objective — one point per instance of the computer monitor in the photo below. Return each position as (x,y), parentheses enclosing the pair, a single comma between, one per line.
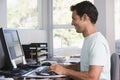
(2,56)
(12,48)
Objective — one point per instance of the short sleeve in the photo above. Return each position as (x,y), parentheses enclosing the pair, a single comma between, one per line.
(98,54)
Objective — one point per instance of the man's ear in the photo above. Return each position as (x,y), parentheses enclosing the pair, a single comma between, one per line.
(85,17)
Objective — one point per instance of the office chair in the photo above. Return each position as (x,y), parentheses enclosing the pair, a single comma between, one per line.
(115,66)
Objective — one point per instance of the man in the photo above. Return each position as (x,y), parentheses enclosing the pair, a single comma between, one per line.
(95,55)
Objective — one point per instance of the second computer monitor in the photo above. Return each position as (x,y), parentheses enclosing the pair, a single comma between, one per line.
(12,45)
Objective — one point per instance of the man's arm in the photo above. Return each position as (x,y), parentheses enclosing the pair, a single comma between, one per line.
(75,67)
(93,73)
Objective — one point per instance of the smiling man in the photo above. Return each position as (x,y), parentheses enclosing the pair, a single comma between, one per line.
(95,55)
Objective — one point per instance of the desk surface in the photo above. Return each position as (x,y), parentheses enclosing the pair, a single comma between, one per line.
(32,74)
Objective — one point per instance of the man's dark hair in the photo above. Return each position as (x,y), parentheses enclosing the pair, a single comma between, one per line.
(88,8)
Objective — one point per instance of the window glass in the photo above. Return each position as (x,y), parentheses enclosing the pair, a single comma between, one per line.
(117,19)
(67,37)
(22,14)
(61,11)
(117,25)
(63,34)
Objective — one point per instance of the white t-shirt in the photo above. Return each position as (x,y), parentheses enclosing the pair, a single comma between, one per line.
(95,51)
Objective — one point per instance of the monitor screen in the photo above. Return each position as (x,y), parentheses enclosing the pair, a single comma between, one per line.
(13,44)
(14,49)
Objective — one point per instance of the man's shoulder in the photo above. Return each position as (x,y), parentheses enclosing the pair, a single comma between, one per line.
(99,38)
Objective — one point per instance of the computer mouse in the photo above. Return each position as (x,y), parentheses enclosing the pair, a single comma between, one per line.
(52,73)
(46,64)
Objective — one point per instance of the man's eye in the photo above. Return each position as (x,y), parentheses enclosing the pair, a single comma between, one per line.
(74,19)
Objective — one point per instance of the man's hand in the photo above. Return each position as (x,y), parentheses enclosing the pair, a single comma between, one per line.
(57,68)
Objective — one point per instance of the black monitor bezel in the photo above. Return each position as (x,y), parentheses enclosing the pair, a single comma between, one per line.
(8,59)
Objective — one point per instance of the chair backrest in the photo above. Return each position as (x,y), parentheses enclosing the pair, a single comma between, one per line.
(115,66)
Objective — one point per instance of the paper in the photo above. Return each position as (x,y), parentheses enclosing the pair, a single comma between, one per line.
(75,60)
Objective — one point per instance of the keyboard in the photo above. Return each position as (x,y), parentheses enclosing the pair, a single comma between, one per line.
(6,73)
(20,72)
(14,72)
(26,66)
(43,71)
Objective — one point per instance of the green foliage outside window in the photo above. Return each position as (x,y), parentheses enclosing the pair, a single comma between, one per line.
(22,14)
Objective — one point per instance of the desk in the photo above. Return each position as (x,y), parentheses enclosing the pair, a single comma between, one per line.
(3,78)
(32,75)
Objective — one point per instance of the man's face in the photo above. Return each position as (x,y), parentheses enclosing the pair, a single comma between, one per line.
(78,22)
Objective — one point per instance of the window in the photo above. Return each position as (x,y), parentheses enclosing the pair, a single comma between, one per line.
(64,34)
(66,38)
(117,19)
(61,11)
(22,14)
(117,26)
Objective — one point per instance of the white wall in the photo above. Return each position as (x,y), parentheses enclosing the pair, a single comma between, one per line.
(3,13)
(28,36)
(105,23)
